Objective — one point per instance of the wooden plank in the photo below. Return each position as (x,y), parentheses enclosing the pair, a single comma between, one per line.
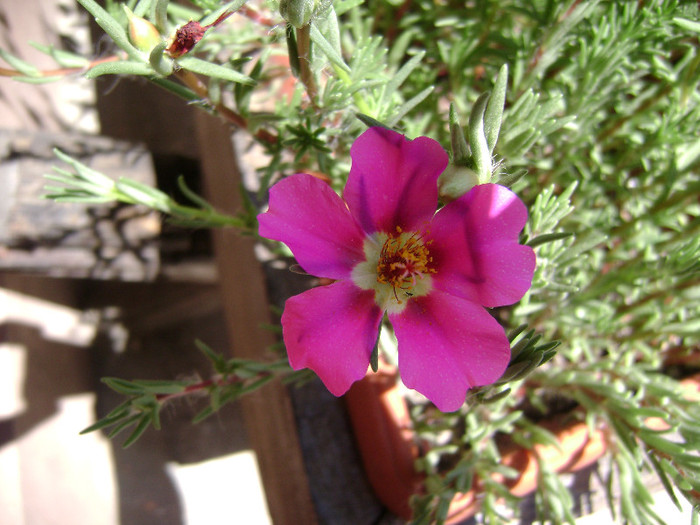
(268,413)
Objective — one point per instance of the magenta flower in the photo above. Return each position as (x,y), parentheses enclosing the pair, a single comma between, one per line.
(389,251)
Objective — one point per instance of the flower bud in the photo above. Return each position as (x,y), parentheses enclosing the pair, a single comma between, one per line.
(142,33)
(455,181)
(297,12)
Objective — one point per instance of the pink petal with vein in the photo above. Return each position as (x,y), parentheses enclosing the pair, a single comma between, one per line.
(393,180)
(309,217)
(448,345)
(332,330)
(475,247)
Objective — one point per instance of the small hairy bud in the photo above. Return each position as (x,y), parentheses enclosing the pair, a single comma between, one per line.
(297,12)
(455,181)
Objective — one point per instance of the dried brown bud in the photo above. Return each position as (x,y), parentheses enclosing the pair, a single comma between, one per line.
(186,37)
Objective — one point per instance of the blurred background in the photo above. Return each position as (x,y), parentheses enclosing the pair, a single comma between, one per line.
(88,293)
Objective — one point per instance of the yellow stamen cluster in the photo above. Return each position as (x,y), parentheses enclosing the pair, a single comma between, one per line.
(403,258)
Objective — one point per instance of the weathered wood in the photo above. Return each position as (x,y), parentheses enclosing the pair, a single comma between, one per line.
(268,413)
(134,110)
(67,239)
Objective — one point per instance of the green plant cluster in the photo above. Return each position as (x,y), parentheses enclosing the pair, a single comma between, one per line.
(589,110)
(604,117)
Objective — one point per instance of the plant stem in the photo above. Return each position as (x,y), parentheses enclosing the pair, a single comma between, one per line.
(255,16)
(189,79)
(193,82)
(209,217)
(307,77)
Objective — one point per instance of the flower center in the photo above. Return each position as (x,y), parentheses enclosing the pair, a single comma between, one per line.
(404,258)
(397,266)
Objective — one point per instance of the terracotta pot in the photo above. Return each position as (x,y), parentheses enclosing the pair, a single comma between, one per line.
(578,448)
(384,437)
(382,425)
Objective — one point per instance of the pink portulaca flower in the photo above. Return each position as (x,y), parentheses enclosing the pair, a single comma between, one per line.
(389,251)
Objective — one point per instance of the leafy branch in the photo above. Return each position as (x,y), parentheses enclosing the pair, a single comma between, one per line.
(232,379)
(86,185)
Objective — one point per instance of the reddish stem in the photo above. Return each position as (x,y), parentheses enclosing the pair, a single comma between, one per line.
(193,82)
(4,72)
(204,385)
(256,17)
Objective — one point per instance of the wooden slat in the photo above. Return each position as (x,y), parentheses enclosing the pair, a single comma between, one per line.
(268,413)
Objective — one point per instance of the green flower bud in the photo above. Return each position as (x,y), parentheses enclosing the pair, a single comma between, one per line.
(142,33)
(297,12)
(455,181)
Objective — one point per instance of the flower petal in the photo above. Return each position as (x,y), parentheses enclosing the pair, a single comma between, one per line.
(393,180)
(332,330)
(309,217)
(448,345)
(475,247)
